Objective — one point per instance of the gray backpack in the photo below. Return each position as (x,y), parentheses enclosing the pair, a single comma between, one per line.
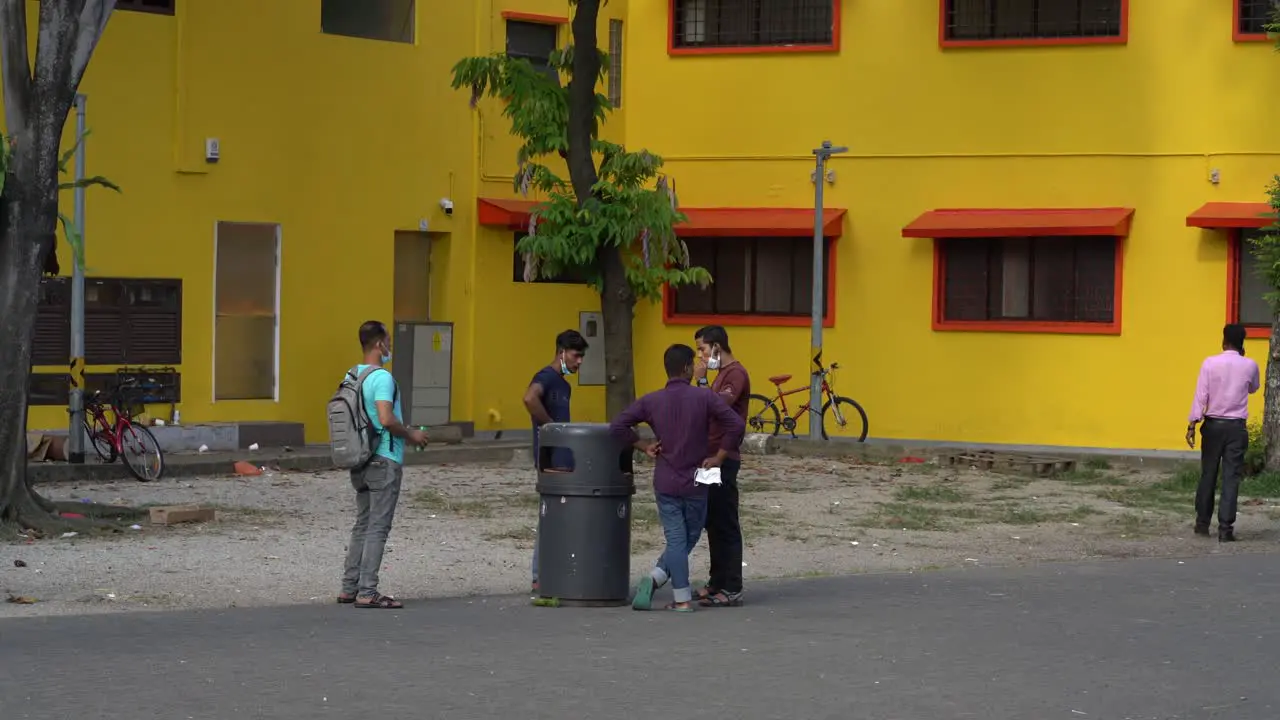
(352,435)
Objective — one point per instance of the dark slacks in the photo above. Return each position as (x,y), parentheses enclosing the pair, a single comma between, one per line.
(724,531)
(1222,442)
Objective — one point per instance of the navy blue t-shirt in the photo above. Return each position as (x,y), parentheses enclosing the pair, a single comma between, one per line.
(555,398)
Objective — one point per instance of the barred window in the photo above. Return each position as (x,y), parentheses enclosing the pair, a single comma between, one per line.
(1044,279)
(1032,19)
(770,276)
(615,63)
(1251,306)
(752,23)
(1253,16)
(534,42)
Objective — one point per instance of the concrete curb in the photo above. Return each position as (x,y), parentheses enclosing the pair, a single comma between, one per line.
(193,466)
(887,450)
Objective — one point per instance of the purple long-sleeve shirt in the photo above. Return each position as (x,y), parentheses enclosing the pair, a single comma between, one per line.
(681,416)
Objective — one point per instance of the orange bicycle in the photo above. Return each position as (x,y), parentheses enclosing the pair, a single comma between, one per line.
(763,414)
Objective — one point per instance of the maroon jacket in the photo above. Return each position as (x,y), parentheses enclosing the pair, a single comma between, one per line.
(733,385)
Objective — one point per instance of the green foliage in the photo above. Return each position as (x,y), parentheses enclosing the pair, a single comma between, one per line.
(1266,248)
(74,238)
(1255,457)
(633,205)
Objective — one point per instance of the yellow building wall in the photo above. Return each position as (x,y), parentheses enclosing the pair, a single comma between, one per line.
(342,142)
(1138,125)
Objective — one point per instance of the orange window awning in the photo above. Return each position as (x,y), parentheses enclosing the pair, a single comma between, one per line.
(1232,215)
(975,223)
(702,222)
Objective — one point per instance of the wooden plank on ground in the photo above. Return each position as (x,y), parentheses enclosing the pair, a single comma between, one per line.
(175,514)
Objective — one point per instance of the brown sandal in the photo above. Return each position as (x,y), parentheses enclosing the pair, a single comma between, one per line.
(381,602)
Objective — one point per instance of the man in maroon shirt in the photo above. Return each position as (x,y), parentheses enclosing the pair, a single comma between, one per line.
(680,416)
(724,531)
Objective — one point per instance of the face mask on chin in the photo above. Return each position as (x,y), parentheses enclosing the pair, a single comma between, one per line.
(564,367)
(386,356)
(713,363)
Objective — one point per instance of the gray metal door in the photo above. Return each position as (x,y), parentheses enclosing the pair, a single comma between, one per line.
(591,325)
(423,367)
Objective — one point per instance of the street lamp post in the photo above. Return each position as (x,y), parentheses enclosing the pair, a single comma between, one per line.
(823,154)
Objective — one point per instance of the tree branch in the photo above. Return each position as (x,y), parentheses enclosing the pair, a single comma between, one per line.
(16,61)
(93,22)
(582,99)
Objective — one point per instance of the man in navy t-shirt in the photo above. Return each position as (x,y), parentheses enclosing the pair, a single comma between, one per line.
(547,400)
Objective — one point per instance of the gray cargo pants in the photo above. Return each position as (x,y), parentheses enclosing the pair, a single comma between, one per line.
(377,487)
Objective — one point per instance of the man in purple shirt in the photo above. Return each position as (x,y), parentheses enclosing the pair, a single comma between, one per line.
(1222,401)
(681,417)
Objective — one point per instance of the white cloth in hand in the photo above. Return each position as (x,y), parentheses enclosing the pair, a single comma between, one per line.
(707,476)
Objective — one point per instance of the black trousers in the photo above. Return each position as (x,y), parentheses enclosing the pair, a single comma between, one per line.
(724,531)
(1221,442)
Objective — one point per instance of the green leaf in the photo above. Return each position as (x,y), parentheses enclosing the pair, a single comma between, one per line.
(74,239)
(89,181)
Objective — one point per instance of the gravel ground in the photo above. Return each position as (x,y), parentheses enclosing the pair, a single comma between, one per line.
(461,530)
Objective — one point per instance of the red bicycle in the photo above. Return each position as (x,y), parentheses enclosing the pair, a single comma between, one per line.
(763,413)
(120,437)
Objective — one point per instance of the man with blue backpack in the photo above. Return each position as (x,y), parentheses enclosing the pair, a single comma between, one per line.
(367,436)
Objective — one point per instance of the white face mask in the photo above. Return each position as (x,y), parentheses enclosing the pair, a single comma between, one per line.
(386,355)
(713,363)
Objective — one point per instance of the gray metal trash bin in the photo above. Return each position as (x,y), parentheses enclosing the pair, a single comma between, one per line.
(584,516)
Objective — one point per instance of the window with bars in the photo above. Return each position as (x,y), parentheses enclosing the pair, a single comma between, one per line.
(126,321)
(615,63)
(752,276)
(752,23)
(534,42)
(1253,16)
(1032,19)
(567,276)
(1050,279)
(389,20)
(160,7)
(1251,308)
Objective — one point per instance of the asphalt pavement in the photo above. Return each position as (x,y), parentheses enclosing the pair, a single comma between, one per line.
(1149,639)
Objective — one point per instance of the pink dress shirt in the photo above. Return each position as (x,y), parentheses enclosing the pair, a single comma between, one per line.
(1223,389)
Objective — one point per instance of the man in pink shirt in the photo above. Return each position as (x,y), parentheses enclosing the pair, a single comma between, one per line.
(1222,403)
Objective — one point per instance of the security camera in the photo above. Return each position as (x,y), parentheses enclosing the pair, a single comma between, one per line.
(447,205)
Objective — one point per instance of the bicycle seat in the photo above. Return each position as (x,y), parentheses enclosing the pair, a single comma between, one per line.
(779,379)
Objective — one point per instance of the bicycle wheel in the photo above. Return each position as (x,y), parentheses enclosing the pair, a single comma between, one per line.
(850,418)
(141,453)
(99,435)
(763,415)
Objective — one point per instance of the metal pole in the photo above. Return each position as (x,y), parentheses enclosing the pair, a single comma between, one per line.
(76,434)
(823,154)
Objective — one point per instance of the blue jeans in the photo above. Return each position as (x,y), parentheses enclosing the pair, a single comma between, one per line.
(682,520)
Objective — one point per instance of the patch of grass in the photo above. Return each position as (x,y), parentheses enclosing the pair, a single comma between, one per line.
(644,514)
(1263,485)
(930,493)
(430,499)
(768,484)
(756,521)
(1011,482)
(518,534)
(433,500)
(1097,463)
(247,514)
(905,516)
(1136,525)
(1088,476)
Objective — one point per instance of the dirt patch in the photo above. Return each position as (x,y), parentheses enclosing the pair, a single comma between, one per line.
(280,538)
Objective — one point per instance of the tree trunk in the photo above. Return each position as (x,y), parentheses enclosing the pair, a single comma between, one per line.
(1271,400)
(617,299)
(617,304)
(22,247)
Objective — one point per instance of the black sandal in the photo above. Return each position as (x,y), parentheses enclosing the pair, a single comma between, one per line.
(346,599)
(721,599)
(705,592)
(380,602)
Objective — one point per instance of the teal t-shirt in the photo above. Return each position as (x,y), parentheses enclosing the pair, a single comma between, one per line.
(380,386)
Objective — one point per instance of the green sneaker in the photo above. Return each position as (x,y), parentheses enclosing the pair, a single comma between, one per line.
(644,594)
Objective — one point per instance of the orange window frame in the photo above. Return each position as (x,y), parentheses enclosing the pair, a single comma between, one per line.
(1235,252)
(534,18)
(941,324)
(1242,37)
(1121,39)
(833,46)
(671,317)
